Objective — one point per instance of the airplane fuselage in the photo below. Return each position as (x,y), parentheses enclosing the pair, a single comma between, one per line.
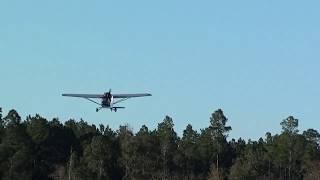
(107,101)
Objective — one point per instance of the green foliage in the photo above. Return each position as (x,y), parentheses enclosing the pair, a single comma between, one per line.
(312,135)
(168,146)
(215,173)
(37,128)
(218,124)
(36,148)
(12,119)
(290,125)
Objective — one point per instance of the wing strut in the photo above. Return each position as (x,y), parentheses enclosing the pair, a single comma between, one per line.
(120,100)
(92,101)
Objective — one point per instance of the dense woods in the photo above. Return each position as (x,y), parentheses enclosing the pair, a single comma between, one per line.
(37,148)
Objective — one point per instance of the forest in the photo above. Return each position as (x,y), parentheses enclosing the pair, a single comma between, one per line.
(41,149)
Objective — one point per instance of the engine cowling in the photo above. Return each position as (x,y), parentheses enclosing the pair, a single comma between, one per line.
(107,99)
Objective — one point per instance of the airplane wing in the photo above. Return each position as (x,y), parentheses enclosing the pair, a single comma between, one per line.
(84,95)
(130,95)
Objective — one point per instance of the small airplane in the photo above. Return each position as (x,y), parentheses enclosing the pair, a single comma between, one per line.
(107,99)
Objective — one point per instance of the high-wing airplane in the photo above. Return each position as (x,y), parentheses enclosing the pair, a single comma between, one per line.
(108,100)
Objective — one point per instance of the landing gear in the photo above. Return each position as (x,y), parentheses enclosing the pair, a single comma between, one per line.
(113,109)
(98,109)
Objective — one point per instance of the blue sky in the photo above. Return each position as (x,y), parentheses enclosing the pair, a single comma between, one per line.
(257,60)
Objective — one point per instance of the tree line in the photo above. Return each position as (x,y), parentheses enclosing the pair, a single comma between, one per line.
(37,148)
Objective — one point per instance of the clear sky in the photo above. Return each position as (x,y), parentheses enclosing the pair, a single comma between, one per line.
(257,60)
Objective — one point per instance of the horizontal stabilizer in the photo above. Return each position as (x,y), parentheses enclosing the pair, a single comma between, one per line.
(118,107)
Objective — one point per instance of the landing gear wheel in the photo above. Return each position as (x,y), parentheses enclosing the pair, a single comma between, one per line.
(97,109)
(115,109)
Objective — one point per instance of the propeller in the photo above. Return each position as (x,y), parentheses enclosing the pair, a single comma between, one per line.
(108,94)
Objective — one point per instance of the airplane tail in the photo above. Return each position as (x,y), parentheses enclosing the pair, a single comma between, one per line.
(116,108)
